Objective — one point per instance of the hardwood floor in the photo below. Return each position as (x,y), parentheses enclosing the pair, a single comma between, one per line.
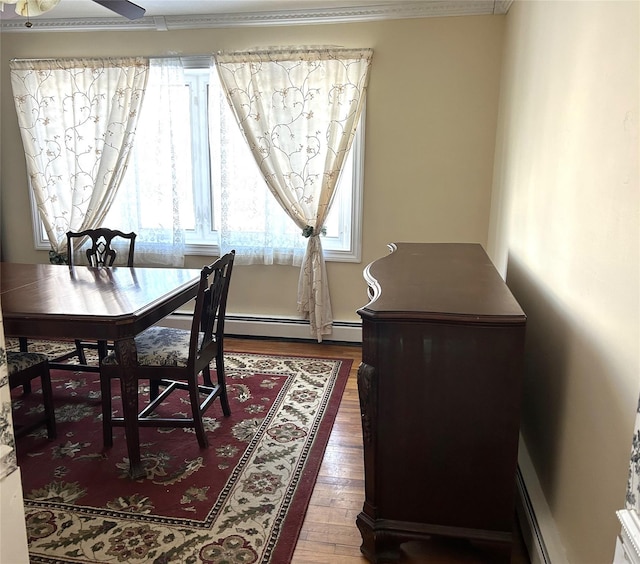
(329,534)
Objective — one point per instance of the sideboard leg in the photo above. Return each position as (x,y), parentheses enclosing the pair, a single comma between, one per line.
(377,546)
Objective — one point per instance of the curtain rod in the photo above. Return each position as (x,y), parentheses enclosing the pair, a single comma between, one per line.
(253,51)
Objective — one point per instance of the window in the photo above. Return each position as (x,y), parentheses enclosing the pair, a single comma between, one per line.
(217,178)
(222,161)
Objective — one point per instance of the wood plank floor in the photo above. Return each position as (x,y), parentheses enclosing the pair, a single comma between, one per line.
(329,534)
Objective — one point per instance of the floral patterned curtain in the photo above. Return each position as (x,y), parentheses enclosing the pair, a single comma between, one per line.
(298,110)
(77,118)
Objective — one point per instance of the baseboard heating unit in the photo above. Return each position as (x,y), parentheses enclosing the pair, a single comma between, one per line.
(274,327)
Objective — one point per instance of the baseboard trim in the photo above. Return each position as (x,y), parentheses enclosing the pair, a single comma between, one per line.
(237,325)
(534,516)
(531,532)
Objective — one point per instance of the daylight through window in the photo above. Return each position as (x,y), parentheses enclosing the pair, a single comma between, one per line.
(208,176)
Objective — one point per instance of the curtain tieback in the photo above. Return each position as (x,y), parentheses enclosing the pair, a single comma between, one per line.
(309,231)
(57,258)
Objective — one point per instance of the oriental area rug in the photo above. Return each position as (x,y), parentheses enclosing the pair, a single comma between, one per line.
(242,500)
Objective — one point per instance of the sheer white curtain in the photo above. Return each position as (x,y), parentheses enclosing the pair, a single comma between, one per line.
(248,218)
(298,110)
(158,180)
(77,118)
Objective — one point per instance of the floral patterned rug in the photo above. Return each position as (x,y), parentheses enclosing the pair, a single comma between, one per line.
(241,500)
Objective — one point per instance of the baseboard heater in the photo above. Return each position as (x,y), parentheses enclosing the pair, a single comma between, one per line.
(529,526)
(237,325)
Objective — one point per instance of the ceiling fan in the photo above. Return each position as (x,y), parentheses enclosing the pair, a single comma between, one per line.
(29,8)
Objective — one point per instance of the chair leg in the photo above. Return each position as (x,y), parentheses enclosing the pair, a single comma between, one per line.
(198,424)
(103,351)
(206,376)
(107,428)
(19,379)
(224,398)
(154,389)
(24,347)
(47,400)
(80,352)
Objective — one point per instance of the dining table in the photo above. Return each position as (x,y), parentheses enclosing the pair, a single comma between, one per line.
(48,301)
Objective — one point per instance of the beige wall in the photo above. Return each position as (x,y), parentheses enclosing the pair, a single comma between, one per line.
(565,230)
(431,115)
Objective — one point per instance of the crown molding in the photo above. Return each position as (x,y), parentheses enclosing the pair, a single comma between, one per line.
(387,11)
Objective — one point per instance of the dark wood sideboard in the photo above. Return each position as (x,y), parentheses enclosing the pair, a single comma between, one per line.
(440,390)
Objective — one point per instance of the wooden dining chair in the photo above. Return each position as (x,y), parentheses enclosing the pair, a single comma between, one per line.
(100,252)
(173,359)
(22,368)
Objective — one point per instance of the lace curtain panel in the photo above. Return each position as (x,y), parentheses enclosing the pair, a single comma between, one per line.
(157,187)
(249,219)
(77,119)
(298,110)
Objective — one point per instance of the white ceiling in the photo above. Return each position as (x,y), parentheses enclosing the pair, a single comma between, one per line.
(82,15)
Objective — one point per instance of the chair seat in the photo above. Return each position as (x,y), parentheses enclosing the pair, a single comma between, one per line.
(19,361)
(160,346)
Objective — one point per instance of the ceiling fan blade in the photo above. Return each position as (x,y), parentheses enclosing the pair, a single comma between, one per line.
(123,7)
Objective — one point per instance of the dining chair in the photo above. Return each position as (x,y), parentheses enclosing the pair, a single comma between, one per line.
(22,368)
(100,252)
(173,359)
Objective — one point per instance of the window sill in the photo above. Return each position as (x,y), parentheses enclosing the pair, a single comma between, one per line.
(330,255)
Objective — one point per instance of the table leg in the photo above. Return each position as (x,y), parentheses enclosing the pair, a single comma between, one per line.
(127,358)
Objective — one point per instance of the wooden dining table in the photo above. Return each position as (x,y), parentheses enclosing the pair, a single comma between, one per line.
(47,301)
